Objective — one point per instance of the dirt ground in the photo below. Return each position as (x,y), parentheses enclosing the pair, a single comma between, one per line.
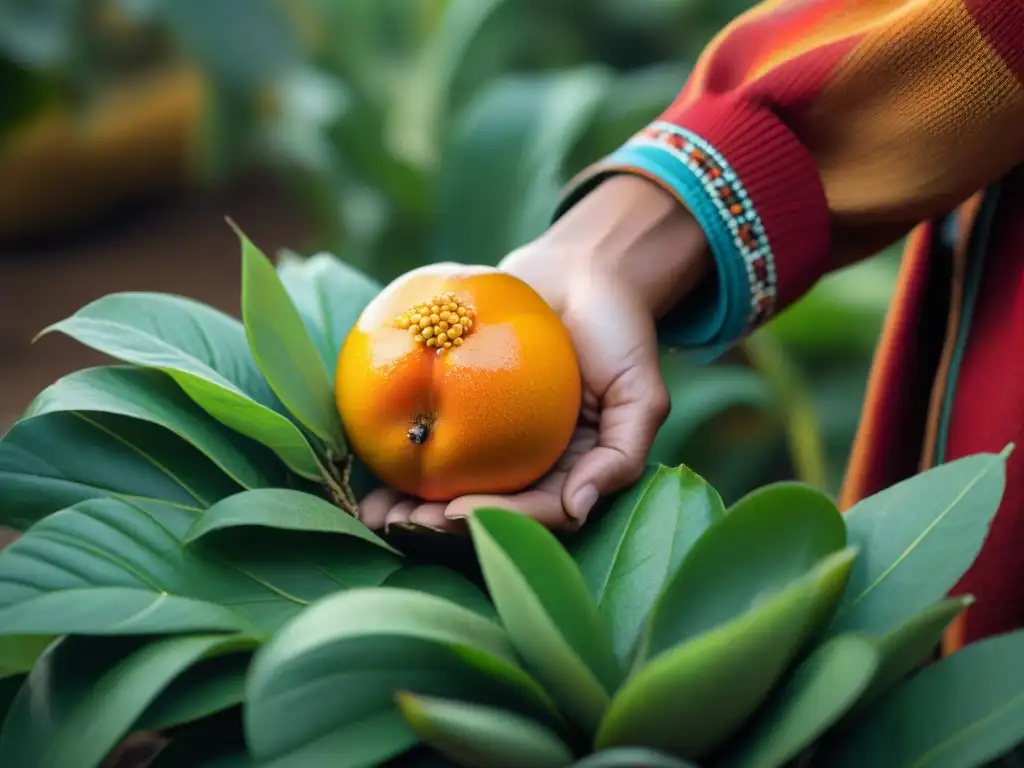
(178,246)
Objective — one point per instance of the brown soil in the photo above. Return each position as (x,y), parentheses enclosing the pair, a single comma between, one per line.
(178,246)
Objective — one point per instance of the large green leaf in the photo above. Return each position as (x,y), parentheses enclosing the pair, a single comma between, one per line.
(698,395)
(151,396)
(634,99)
(205,352)
(38,34)
(228,126)
(446,583)
(284,351)
(477,736)
(19,652)
(282,509)
(965,710)
(714,682)
(843,312)
(356,649)
(911,644)
(545,606)
(205,689)
(264,577)
(244,44)
(92,691)
(329,295)
(922,534)
(815,696)
(420,112)
(519,131)
(631,757)
(766,541)
(50,462)
(627,555)
(109,611)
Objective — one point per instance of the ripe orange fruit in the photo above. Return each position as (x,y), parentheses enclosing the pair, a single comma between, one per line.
(458,379)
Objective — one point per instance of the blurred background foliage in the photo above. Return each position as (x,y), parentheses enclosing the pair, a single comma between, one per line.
(412,131)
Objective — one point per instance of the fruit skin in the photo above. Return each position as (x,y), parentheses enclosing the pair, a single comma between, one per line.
(499,410)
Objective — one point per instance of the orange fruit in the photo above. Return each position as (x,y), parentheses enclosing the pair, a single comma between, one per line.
(458,379)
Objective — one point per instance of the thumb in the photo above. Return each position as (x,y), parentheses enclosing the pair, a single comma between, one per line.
(633,408)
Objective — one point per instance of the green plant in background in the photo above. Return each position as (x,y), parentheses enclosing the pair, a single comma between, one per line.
(188,567)
(418,130)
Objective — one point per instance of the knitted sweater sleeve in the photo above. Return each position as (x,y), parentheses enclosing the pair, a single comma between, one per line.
(812,133)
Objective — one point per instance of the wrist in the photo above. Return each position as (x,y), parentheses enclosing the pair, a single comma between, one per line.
(638,233)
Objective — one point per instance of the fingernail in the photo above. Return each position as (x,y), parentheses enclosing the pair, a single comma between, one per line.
(583,501)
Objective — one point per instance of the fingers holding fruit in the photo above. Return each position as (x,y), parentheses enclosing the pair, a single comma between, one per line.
(456,381)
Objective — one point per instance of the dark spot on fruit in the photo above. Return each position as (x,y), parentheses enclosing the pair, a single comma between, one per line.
(418,434)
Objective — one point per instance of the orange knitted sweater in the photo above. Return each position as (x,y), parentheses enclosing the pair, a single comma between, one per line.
(811,134)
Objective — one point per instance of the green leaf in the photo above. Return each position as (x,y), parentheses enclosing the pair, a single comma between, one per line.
(205,352)
(284,351)
(245,44)
(417,121)
(922,534)
(816,695)
(446,583)
(627,555)
(911,644)
(92,692)
(150,396)
(357,648)
(205,689)
(631,757)
(226,134)
(698,395)
(51,462)
(38,34)
(264,577)
(545,606)
(519,130)
(329,295)
(714,682)
(482,737)
(767,540)
(282,509)
(843,312)
(634,98)
(18,653)
(114,611)
(965,710)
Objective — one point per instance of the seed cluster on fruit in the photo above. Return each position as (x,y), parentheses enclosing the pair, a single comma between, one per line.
(441,323)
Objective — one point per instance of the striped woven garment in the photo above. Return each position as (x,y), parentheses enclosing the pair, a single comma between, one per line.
(813,133)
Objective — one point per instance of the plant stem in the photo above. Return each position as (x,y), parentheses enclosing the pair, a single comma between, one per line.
(805,444)
(337,484)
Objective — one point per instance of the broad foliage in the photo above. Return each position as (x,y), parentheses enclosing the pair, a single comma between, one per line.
(188,566)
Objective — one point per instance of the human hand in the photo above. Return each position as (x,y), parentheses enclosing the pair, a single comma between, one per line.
(610,267)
